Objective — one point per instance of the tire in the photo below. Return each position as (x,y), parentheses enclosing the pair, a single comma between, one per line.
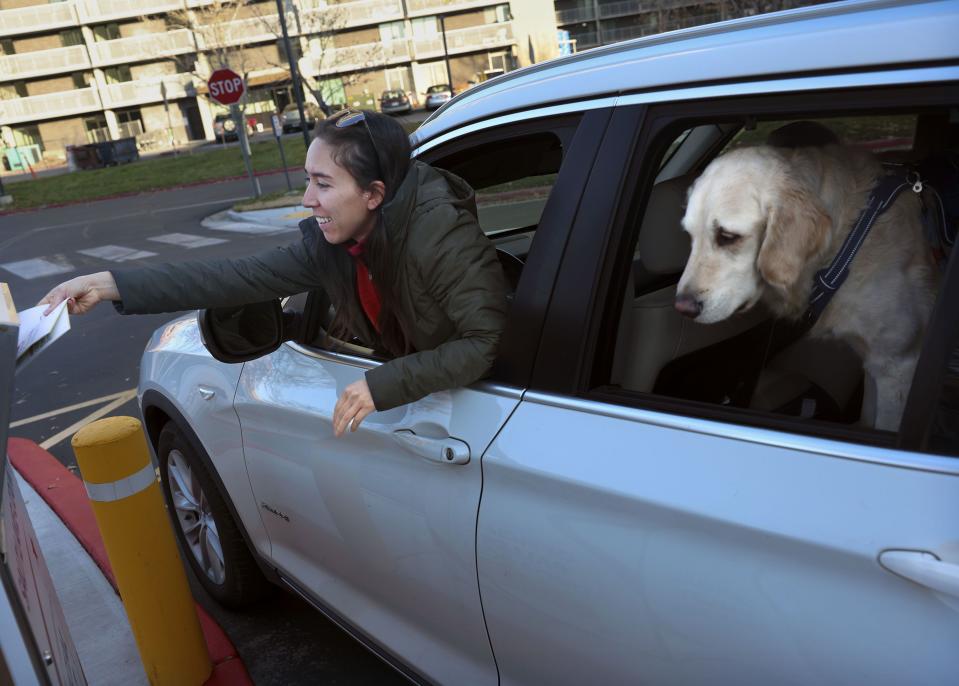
(228,572)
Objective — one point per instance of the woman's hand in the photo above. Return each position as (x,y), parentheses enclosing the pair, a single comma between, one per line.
(355,404)
(82,293)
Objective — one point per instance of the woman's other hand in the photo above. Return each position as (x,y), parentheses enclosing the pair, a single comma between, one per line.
(82,293)
(355,404)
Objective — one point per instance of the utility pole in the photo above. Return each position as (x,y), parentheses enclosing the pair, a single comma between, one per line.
(446,54)
(294,74)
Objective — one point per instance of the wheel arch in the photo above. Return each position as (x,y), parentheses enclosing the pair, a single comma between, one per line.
(157,411)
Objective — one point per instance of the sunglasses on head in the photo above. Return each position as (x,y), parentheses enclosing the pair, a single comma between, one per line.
(346,118)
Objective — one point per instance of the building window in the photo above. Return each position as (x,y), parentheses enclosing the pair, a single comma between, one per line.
(394,30)
(97,130)
(6,46)
(129,123)
(27,135)
(119,74)
(71,37)
(9,91)
(105,32)
(496,15)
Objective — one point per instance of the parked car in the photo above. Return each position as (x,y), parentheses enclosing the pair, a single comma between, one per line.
(630,497)
(395,102)
(224,127)
(437,95)
(291,117)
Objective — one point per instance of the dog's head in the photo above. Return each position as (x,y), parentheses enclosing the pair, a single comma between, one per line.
(754,227)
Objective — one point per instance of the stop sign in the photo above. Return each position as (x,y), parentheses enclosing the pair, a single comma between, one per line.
(226,86)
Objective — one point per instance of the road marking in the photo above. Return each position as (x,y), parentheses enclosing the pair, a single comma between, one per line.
(39,266)
(187,240)
(93,416)
(68,408)
(135,214)
(117,253)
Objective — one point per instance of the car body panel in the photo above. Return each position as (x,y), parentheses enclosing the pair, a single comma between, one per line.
(383,536)
(709,550)
(830,38)
(177,366)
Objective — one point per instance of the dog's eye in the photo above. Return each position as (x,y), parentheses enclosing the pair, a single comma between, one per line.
(724,237)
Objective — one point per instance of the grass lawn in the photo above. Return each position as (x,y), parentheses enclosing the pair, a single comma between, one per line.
(152,174)
(155,173)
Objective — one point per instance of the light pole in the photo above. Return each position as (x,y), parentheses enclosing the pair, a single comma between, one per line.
(294,75)
(446,54)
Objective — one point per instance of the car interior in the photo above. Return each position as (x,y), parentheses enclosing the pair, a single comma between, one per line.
(748,361)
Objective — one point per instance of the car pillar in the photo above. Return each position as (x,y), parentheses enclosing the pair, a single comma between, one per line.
(122,486)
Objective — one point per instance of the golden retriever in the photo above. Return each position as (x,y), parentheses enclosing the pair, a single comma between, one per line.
(764,219)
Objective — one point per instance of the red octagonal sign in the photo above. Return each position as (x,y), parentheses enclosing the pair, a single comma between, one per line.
(226,86)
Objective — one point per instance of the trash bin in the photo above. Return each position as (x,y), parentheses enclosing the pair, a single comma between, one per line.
(125,150)
(87,156)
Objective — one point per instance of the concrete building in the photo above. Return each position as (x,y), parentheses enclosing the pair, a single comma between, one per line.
(590,23)
(78,71)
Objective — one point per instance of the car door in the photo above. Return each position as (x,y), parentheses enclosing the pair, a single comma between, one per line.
(378,527)
(630,536)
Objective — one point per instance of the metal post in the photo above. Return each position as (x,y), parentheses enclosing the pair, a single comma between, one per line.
(446,54)
(277,133)
(245,147)
(294,74)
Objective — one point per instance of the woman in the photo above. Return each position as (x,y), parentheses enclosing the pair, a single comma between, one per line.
(394,243)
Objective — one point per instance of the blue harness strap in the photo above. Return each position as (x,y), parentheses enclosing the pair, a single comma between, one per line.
(828,280)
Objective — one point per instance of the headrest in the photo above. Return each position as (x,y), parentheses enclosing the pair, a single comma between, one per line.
(663,246)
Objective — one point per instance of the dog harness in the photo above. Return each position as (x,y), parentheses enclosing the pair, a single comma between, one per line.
(828,280)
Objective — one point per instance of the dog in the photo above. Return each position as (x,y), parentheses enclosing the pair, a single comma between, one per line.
(763,220)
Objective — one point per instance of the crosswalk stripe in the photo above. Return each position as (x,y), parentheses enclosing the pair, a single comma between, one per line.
(39,266)
(116,253)
(187,240)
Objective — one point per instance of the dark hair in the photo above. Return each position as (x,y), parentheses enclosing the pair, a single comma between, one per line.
(388,161)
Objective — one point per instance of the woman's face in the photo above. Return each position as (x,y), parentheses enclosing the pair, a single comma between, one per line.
(343,210)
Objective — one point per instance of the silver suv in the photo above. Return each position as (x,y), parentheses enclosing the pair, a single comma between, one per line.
(639,499)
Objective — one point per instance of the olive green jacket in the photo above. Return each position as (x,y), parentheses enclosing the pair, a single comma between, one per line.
(448,278)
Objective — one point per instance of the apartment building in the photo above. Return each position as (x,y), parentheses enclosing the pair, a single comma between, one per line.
(78,71)
(598,22)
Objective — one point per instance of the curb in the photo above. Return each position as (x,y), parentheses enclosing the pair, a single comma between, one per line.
(63,491)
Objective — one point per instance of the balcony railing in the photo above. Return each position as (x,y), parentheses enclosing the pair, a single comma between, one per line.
(92,11)
(250,30)
(422,7)
(146,47)
(42,62)
(365,56)
(626,33)
(625,7)
(37,18)
(141,92)
(575,15)
(49,106)
(465,40)
(316,16)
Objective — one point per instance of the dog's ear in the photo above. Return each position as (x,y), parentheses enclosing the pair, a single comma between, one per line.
(797,228)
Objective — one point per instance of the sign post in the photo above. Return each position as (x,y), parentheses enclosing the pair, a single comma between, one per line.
(277,132)
(226,87)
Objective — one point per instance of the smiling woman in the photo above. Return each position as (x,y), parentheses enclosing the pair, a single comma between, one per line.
(395,245)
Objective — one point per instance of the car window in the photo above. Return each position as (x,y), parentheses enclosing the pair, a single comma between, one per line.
(752,361)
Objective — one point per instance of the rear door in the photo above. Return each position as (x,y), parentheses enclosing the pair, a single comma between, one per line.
(636,535)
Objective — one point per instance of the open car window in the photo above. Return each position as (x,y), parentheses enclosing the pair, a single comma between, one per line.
(750,365)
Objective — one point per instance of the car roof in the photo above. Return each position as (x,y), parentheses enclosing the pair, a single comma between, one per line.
(853,35)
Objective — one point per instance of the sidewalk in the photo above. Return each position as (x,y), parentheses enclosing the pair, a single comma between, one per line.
(73,550)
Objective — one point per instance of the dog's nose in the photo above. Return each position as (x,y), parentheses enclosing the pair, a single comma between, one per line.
(688,305)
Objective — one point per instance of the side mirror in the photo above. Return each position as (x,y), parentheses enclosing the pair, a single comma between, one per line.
(240,334)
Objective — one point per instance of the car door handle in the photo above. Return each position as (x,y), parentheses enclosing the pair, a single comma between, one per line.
(923,568)
(446,450)
(205,393)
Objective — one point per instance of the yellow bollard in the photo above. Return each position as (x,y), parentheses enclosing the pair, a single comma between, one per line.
(121,481)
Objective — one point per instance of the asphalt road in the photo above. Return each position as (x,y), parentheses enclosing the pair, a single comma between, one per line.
(86,373)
